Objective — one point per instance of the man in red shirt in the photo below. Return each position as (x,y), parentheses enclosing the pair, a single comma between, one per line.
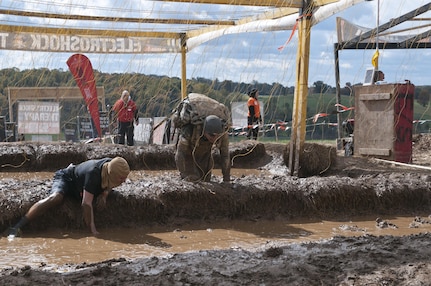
(126,112)
(254,116)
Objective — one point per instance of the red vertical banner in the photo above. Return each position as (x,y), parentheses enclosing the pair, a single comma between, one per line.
(82,71)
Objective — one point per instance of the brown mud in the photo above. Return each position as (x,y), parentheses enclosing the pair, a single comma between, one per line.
(331,186)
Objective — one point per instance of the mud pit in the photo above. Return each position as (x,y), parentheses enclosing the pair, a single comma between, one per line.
(346,187)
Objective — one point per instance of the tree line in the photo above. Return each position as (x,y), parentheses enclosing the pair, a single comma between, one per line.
(157,96)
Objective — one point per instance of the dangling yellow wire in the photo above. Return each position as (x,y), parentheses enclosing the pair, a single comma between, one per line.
(17,166)
(211,155)
(242,155)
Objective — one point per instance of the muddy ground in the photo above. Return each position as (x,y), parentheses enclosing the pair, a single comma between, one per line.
(334,187)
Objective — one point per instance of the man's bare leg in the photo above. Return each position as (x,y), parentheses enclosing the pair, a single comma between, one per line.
(37,209)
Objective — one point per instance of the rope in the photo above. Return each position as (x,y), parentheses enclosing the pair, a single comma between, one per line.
(329,165)
(211,155)
(244,154)
(17,166)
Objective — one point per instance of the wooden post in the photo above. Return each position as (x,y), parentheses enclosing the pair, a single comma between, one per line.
(338,96)
(183,67)
(301,90)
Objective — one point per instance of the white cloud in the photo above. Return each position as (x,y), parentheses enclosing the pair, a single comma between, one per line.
(240,57)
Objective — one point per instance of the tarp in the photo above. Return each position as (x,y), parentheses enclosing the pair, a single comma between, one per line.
(347,31)
(82,71)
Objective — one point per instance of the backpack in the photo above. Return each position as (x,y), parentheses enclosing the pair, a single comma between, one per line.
(195,107)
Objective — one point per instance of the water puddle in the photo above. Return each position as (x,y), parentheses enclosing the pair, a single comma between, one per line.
(62,247)
(134,175)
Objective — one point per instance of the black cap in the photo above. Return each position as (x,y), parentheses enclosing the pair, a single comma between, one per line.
(252,92)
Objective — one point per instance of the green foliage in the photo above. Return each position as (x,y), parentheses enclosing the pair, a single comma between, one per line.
(280,107)
(157,96)
(423,97)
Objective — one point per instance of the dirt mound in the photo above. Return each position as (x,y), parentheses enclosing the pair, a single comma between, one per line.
(315,159)
(348,186)
(422,142)
(21,156)
(351,186)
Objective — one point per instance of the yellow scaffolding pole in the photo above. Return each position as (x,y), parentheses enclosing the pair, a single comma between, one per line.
(301,91)
(183,66)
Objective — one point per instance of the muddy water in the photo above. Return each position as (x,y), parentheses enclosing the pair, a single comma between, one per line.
(61,247)
(134,175)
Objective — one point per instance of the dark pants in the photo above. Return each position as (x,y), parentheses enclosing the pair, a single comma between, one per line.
(125,129)
(252,131)
(62,183)
(193,161)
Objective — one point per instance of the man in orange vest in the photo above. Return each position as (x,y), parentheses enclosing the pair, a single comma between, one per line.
(126,111)
(254,117)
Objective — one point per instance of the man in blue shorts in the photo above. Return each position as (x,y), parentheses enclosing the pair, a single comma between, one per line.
(85,181)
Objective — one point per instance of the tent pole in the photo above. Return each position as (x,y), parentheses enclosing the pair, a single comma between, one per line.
(301,90)
(337,95)
(183,66)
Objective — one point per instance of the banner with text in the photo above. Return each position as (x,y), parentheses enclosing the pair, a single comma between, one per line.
(38,117)
(25,41)
(82,71)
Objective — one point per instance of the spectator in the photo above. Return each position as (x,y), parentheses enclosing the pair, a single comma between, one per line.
(254,117)
(127,113)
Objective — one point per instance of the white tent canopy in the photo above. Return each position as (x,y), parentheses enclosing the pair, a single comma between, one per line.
(152,29)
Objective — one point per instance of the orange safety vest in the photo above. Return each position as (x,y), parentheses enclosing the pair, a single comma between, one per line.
(253,102)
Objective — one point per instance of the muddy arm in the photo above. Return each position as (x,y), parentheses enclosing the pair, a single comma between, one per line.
(224,157)
(87,209)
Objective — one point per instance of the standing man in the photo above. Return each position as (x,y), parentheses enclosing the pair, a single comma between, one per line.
(254,117)
(86,181)
(126,112)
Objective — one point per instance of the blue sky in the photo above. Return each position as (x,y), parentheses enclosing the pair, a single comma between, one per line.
(248,57)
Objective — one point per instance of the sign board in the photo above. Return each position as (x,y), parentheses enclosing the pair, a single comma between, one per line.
(240,112)
(10,132)
(85,127)
(143,130)
(160,135)
(41,138)
(38,117)
(70,132)
(104,122)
